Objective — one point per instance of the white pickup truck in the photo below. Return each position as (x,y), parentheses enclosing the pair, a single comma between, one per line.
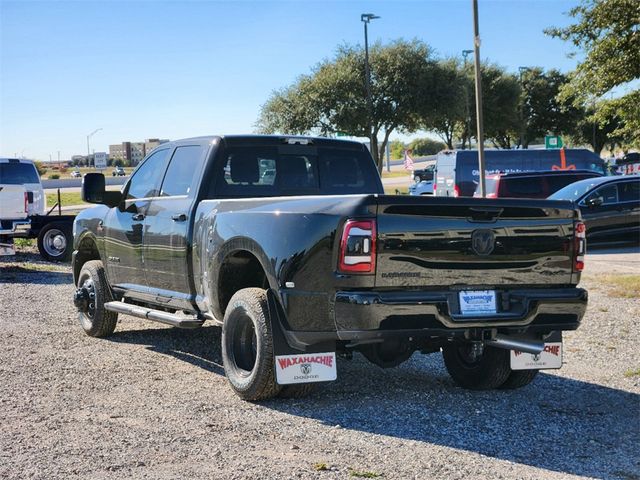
(14,205)
(23,212)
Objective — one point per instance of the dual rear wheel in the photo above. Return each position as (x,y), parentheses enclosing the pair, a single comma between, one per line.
(487,371)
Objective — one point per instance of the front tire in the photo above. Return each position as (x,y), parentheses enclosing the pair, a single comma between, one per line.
(247,346)
(94,319)
(490,370)
(55,242)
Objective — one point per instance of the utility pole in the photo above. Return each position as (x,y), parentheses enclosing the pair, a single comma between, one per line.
(366,18)
(476,48)
(521,71)
(467,117)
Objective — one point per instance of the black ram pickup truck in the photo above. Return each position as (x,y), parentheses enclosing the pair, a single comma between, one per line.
(292,247)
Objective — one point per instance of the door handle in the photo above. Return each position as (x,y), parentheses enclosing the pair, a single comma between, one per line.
(179,218)
(138,217)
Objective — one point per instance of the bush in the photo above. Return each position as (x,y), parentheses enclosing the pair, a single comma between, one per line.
(55,176)
(426,146)
(396,149)
(41,170)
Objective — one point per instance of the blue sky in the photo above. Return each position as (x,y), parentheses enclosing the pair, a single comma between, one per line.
(178,69)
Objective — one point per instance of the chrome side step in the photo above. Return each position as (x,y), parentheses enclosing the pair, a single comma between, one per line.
(155,315)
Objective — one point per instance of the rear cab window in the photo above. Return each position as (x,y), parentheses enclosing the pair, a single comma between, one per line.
(257,171)
(18,173)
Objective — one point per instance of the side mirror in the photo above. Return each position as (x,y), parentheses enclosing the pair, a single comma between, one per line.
(94,191)
(595,202)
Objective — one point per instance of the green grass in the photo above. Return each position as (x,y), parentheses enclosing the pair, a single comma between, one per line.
(635,372)
(66,198)
(24,242)
(320,467)
(622,286)
(363,474)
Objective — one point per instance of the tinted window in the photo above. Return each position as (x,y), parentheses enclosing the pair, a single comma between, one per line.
(525,187)
(629,191)
(145,182)
(295,170)
(609,194)
(556,182)
(18,173)
(183,170)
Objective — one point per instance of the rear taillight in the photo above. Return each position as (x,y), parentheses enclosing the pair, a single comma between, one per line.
(580,246)
(435,185)
(26,202)
(358,247)
(456,191)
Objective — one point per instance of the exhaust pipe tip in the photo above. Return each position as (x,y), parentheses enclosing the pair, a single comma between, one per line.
(512,343)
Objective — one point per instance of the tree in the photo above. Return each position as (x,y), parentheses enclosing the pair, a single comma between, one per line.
(448,111)
(333,97)
(607,31)
(542,111)
(396,149)
(426,146)
(599,129)
(448,115)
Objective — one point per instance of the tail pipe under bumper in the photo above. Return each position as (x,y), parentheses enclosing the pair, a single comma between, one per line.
(511,343)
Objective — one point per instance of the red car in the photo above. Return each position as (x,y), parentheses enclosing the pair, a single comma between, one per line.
(532,184)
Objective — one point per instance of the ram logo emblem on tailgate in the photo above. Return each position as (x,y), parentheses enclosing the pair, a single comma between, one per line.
(483,241)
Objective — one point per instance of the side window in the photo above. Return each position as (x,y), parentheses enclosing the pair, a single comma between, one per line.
(608,193)
(146,180)
(629,191)
(183,170)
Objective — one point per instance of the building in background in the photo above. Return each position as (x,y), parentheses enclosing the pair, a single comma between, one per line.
(120,151)
(152,143)
(131,153)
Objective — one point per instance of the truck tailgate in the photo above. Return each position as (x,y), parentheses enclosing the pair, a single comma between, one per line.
(12,202)
(430,242)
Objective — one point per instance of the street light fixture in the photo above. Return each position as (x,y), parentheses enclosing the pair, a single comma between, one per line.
(88,137)
(366,18)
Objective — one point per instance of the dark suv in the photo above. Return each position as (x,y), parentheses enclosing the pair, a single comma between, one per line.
(532,184)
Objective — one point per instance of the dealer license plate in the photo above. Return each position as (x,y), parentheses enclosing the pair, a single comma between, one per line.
(477,302)
(550,357)
(306,368)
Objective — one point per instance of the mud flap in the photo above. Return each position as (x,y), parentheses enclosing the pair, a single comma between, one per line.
(294,362)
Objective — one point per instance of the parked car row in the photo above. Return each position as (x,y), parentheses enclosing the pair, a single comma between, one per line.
(610,205)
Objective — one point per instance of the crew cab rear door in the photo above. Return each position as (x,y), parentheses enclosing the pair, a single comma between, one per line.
(167,246)
(435,242)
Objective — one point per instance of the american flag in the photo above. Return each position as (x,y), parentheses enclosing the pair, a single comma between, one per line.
(408,161)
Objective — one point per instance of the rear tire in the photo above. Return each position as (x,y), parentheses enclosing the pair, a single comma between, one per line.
(489,371)
(55,242)
(96,321)
(519,379)
(247,346)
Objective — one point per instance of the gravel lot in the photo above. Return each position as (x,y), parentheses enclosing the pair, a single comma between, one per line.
(152,402)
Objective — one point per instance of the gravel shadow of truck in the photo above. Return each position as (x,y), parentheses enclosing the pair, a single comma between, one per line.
(558,423)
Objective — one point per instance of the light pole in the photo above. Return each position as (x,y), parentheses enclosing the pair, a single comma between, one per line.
(88,137)
(366,18)
(467,119)
(480,126)
(521,71)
